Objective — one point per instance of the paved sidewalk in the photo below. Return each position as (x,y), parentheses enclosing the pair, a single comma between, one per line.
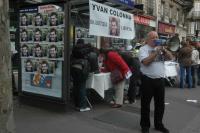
(180,117)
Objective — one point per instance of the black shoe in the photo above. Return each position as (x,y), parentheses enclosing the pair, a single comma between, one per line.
(162,129)
(145,130)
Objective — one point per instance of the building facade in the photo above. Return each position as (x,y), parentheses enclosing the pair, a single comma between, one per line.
(170,16)
(144,18)
(194,19)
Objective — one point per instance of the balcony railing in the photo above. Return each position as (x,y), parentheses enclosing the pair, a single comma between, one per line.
(162,18)
(196,14)
(170,20)
(150,11)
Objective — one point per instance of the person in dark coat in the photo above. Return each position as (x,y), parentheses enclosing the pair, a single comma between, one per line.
(81,51)
(134,65)
(185,61)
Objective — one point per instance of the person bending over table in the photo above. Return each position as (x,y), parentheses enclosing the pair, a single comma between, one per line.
(112,61)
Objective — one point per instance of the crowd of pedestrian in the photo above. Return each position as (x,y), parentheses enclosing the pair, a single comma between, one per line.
(146,71)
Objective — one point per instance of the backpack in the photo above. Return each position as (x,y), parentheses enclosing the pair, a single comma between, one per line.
(132,62)
(126,57)
(80,51)
(80,55)
(83,65)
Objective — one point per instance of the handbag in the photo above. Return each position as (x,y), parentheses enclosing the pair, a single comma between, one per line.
(116,76)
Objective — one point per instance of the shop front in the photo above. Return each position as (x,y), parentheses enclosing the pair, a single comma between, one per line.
(166,30)
(143,25)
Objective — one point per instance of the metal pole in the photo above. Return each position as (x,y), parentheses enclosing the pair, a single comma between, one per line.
(66,66)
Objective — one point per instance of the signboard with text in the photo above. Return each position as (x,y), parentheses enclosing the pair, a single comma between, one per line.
(166,28)
(129,3)
(110,22)
(138,19)
(141,20)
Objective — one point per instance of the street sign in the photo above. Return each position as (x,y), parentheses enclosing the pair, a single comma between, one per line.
(129,3)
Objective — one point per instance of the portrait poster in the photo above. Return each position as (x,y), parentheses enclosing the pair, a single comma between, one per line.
(26,19)
(83,33)
(42,49)
(112,22)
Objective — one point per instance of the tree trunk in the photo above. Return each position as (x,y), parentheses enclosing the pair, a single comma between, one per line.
(6,104)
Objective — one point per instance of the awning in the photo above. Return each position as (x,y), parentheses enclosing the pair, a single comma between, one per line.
(82,6)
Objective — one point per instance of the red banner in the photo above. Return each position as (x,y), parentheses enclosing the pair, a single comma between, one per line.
(141,20)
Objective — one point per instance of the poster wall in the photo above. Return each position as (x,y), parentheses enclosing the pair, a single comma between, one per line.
(42,49)
(83,33)
(110,22)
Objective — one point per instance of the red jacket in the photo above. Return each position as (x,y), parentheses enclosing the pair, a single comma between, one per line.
(113,61)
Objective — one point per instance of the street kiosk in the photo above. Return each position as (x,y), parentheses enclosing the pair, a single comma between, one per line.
(45,39)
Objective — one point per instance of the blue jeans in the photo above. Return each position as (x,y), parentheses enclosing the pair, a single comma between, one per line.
(194,69)
(183,76)
(198,75)
(79,89)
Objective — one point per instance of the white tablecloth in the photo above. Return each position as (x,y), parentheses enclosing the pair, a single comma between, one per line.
(99,82)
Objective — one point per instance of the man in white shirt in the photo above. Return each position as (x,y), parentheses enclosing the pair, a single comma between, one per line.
(152,67)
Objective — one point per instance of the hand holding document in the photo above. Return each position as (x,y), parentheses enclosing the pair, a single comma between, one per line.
(128,74)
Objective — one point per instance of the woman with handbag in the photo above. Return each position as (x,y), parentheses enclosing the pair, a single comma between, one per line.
(114,63)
